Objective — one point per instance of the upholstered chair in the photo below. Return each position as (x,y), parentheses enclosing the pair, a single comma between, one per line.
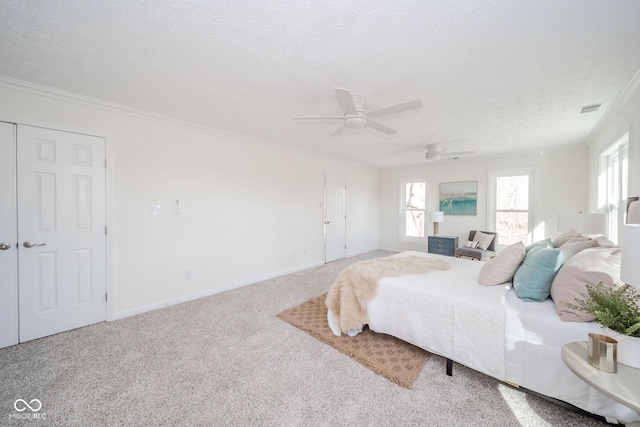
(483,251)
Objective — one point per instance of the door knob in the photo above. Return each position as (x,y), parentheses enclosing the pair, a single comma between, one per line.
(327,222)
(4,246)
(29,244)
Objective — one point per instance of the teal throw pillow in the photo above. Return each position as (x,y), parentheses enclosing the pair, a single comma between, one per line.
(532,281)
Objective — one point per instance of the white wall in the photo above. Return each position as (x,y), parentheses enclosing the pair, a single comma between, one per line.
(626,118)
(249,211)
(560,186)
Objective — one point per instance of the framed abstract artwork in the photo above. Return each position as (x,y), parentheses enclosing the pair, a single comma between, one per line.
(459,198)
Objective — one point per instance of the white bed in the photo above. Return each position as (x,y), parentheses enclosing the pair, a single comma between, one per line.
(489,329)
(445,312)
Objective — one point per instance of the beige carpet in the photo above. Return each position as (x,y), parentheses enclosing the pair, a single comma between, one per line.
(385,355)
(227,360)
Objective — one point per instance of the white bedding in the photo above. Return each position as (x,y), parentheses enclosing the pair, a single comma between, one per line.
(534,336)
(445,312)
(489,329)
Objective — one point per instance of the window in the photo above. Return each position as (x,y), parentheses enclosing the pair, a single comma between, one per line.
(612,185)
(413,211)
(511,210)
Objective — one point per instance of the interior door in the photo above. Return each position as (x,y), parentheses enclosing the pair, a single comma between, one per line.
(335,217)
(8,238)
(61,231)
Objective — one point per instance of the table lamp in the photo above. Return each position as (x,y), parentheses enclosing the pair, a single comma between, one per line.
(436,217)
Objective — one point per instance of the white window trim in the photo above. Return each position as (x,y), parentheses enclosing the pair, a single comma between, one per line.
(621,147)
(491,204)
(402,237)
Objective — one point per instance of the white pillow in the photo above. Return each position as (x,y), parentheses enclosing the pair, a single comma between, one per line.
(471,244)
(589,267)
(575,245)
(564,238)
(603,241)
(484,240)
(501,268)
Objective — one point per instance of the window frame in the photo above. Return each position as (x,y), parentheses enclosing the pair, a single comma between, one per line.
(492,209)
(402,223)
(614,209)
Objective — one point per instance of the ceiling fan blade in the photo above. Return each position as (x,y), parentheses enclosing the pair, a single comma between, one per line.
(318,118)
(380,127)
(346,100)
(337,131)
(411,105)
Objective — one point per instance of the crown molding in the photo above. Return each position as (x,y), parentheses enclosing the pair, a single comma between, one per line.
(65,96)
(627,93)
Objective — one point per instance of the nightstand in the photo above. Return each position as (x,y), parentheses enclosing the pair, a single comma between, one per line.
(623,386)
(443,245)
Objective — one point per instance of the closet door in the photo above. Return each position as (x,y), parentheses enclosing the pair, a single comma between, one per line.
(61,231)
(8,238)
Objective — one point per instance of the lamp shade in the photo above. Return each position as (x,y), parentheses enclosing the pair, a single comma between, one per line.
(629,265)
(583,222)
(436,216)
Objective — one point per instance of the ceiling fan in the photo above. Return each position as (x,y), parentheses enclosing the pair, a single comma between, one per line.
(355,115)
(437,152)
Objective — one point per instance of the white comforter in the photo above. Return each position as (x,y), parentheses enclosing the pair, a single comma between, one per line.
(488,329)
(445,312)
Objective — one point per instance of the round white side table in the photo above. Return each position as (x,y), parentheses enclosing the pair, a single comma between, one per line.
(623,386)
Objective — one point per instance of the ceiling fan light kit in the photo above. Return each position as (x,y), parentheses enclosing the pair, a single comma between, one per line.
(355,116)
(354,122)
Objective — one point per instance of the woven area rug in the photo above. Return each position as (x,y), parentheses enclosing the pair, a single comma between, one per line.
(385,355)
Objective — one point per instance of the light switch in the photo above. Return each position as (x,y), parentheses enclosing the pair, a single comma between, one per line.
(154,209)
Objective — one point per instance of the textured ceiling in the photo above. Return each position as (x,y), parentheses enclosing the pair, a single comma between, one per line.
(496,76)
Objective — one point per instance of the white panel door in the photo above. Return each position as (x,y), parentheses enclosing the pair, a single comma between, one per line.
(61,231)
(8,238)
(335,217)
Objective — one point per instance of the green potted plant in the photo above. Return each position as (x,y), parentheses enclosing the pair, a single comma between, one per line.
(616,309)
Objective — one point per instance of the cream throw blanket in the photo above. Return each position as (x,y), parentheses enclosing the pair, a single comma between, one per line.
(357,284)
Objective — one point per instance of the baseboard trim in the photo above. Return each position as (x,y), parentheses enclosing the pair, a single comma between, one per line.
(166,303)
